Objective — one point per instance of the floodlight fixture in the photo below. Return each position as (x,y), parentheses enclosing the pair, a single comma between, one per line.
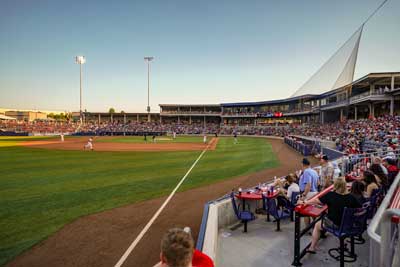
(80,60)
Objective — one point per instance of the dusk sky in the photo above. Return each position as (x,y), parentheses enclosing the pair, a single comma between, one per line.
(205,51)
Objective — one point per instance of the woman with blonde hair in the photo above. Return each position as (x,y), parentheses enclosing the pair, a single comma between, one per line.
(336,201)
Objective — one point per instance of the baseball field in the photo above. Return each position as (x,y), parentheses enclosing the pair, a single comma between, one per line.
(46,184)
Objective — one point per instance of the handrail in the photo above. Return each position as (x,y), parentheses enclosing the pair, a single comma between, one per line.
(373,226)
(374,154)
(386,255)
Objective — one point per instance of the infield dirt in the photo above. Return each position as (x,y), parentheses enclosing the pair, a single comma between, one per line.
(78,144)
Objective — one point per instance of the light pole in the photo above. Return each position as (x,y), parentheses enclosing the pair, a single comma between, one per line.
(148,59)
(80,60)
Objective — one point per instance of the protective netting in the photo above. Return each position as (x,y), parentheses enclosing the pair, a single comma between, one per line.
(337,71)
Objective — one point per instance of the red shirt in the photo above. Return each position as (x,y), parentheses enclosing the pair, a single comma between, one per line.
(201,260)
(392,168)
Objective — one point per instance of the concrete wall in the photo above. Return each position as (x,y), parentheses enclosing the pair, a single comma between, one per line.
(220,215)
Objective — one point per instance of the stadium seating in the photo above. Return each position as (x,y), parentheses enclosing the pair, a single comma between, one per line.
(353,224)
(273,210)
(243,215)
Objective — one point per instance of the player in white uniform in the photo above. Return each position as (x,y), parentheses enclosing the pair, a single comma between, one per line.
(205,139)
(62,137)
(89,145)
(174,135)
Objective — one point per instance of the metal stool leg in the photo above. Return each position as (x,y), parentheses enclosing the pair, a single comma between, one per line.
(341,252)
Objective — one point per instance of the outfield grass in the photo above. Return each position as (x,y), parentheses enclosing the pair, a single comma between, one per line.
(159,139)
(41,190)
(26,138)
(13,140)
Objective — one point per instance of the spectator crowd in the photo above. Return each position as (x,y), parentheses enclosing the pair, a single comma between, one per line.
(42,127)
(353,136)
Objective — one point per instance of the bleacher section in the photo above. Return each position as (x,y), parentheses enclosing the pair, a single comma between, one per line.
(221,236)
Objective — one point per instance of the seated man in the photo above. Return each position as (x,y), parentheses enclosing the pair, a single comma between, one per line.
(286,188)
(293,186)
(177,250)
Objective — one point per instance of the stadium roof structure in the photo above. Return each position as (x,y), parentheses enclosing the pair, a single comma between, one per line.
(373,77)
(270,102)
(366,80)
(4,117)
(76,113)
(192,105)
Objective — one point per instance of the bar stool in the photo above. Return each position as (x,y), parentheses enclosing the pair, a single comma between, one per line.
(352,224)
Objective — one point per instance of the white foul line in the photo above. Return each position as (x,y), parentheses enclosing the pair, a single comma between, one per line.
(148,225)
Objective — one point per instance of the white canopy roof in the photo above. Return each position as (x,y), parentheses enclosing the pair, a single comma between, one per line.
(337,71)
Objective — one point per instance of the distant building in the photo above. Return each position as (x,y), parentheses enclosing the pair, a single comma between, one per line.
(27,115)
(125,117)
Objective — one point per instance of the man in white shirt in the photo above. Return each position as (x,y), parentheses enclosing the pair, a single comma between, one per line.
(290,185)
(293,187)
(336,171)
(327,172)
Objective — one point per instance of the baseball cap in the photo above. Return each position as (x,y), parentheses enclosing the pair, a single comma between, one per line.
(325,157)
(305,161)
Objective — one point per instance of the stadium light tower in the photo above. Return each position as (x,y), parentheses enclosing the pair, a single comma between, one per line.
(148,59)
(80,60)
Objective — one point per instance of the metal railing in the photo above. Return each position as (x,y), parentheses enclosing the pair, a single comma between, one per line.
(337,103)
(380,231)
(361,162)
(366,94)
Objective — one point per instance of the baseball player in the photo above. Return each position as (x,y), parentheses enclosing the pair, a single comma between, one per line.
(235,140)
(89,144)
(205,139)
(62,137)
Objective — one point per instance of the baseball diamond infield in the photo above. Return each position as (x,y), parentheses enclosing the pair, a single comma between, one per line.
(101,238)
(79,142)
